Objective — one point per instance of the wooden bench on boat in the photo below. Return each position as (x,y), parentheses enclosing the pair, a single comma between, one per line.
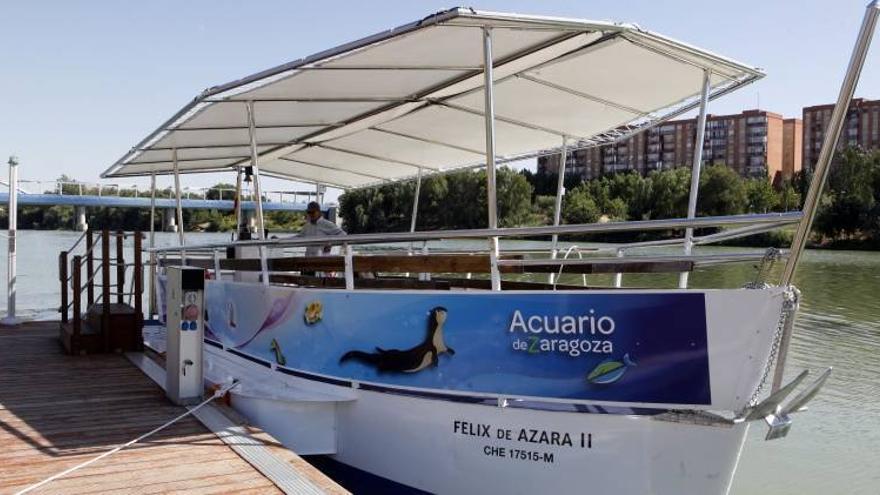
(283,270)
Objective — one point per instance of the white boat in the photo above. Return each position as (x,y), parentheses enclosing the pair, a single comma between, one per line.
(456,384)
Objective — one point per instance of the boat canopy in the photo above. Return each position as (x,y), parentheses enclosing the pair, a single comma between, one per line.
(411,100)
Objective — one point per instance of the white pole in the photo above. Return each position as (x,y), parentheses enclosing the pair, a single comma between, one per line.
(180,237)
(152,269)
(252,132)
(13,225)
(261,233)
(490,156)
(695,172)
(237,201)
(560,191)
(415,208)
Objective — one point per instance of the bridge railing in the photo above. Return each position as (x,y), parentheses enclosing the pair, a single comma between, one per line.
(77,188)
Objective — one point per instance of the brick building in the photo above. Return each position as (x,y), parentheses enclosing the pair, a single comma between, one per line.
(755,143)
(862,128)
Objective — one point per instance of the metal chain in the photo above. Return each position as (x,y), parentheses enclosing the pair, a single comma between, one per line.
(771,256)
(790,304)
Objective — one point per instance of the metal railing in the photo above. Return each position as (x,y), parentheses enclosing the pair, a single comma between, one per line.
(744,225)
(73,285)
(77,188)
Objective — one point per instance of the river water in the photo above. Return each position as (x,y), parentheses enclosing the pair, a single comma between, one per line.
(831,449)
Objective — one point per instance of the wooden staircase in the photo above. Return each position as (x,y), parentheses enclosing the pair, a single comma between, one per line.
(103,325)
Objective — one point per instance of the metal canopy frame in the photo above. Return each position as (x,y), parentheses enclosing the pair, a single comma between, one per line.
(557,40)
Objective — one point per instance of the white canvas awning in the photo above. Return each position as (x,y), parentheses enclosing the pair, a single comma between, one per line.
(381,108)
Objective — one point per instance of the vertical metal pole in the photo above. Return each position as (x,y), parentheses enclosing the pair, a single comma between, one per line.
(415,207)
(90,268)
(180,237)
(10,318)
(237,201)
(216,255)
(832,134)
(349,267)
(695,172)
(490,156)
(415,211)
(618,277)
(823,164)
(252,132)
(62,275)
(120,267)
(261,233)
(557,212)
(152,244)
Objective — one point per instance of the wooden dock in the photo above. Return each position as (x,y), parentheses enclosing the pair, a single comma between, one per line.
(57,411)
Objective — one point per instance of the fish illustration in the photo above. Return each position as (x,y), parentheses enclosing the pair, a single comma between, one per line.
(279,356)
(314,312)
(610,370)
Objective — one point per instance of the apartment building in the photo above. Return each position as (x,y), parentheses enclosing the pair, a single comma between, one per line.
(861,128)
(755,143)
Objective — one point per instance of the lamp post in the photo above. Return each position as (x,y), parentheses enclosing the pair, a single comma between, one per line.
(10,318)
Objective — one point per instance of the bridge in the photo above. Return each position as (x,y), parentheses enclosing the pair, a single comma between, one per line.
(82,195)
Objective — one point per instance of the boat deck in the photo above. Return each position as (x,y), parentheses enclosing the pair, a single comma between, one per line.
(57,411)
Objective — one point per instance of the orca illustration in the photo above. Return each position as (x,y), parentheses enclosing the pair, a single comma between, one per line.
(411,360)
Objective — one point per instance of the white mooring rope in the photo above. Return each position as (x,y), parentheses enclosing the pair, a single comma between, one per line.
(217,394)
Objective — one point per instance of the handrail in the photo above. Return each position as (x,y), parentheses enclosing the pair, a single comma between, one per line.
(78,240)
(591,228)
(697,259)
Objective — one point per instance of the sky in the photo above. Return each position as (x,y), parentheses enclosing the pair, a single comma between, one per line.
(81,82)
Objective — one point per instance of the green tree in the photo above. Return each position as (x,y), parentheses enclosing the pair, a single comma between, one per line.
(579,207)
(722,192)
(669,193)
(761,195)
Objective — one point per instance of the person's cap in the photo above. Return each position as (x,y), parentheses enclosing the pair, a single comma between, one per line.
(313,206)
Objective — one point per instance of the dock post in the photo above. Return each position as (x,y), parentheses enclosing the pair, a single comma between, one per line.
(77,299)
(10,318)
(63,277)
(120,267)
(90,266)
(105,288)
(138,289)
(82,224)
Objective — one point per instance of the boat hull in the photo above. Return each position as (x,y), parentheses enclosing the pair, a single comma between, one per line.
(447,445)
(477,421)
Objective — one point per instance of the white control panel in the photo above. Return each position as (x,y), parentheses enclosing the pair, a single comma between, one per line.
(185,293)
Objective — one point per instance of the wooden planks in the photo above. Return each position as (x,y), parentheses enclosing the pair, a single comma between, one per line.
(57,411)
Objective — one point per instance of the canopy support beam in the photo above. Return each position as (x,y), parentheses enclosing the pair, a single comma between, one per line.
(181,240)
(252,133)
(258,194)
(152,244)
(557,211)
(415,207)
(695,172)
(237,202)
(489,116)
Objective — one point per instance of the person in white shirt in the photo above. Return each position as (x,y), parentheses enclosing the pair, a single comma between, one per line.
(318,226)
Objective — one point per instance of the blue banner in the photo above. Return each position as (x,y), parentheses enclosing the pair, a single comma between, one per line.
(643,347)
